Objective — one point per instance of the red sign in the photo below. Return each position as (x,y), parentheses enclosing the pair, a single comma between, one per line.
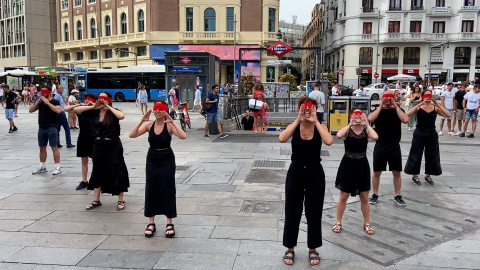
(341,71)
(390,71)
(279,49)
(411,71)
(376,75)
(366,71)
(186,60)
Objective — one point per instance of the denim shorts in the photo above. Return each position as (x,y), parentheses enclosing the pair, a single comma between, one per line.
(451,115)
(471,114)
(47,135)
(9,113)
(214,116)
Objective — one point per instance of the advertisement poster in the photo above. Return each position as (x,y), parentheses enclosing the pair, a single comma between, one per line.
(269,89)
(224,52)
(310,86)
(282,90)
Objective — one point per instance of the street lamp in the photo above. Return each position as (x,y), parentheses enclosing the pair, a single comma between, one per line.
(430,58)
(99,48)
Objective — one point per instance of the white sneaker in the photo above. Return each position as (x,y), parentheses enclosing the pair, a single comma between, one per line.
(468,131)
(57,171)
(450,133)
(440,133)
(40,170)
(456,134)
(410,129)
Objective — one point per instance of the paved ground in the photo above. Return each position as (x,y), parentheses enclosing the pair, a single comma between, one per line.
(230,198)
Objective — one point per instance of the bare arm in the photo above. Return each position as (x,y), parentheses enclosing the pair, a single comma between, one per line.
(415,109)
(326,136)
(372,134)
(71,108)
(56,108)
(464,104)
(288,132)
(177,130)
(342,133)
(120,115)
(440,109)
(139,129)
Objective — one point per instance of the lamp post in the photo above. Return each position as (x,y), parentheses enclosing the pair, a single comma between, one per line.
(235,48)
(99,48)
(378,40)
(279,37)
(430,58)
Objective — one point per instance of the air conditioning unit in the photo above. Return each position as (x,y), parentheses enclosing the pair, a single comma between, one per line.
(72,66)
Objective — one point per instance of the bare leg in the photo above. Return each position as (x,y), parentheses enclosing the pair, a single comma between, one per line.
(454,121)
(397,182)
(376,181)
(365,207)
(441,124)
(96,194)
(474,126)
(341,205)
(84,169)
(449,125)
(465,125)
(43,153)
(206,128)
(56,154)
(219,126)
(460,122)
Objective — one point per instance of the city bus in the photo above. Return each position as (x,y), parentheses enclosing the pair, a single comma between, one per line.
(123,83)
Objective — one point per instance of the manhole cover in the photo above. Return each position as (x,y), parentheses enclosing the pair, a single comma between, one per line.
(266,176)
(261,207)
(268,164)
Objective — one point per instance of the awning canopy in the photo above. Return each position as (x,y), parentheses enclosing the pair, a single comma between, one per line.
(402,77)
(18,73)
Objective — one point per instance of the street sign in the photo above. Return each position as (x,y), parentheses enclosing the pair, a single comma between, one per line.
(376,75)
(185,60)
(279,49)
(279,62)
(341,71)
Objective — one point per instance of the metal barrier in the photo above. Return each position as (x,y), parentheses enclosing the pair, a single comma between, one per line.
(278,105)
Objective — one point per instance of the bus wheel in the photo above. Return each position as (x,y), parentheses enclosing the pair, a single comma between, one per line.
(119,97)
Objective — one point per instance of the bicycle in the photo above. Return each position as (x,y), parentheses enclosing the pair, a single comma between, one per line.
(183,115)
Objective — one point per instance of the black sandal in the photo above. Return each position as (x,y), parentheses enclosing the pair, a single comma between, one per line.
(292,258)
(170,235)
(314,258)
(148,235)
(94,205)
(120,203)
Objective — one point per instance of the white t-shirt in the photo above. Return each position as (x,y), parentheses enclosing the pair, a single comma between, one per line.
(360,93)
(71,99)
(320,98)
(449,96)
(171,93)
(473,99)
(198,94)
(1,92)
(334,91)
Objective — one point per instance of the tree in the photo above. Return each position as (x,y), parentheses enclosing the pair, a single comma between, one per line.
(290,79)
(294,71)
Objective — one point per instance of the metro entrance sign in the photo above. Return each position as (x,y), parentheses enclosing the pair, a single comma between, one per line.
(279,49)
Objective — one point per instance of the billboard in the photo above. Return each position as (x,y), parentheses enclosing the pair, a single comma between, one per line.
(224,52)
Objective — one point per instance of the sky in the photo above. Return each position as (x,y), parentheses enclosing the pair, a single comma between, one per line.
(301,8)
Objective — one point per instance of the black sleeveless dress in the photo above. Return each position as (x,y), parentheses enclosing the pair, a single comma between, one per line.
(353,174)
(85,139)
(160,192)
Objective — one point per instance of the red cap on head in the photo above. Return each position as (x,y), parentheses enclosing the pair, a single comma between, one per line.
(90,99)
(308,104)
(159,106)
(385,96)
(427,96)
(104,98)
(45,91)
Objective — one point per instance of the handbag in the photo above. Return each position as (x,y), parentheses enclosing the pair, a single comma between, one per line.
(255,105)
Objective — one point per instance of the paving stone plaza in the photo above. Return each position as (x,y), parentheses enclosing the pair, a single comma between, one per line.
(230,203)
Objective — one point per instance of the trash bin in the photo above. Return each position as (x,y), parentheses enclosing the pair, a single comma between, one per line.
(339,109)
(213,128)
(361,103)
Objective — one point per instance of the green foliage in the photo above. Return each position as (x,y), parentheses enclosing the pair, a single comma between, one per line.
(294,71)
(290,79)
(247,83)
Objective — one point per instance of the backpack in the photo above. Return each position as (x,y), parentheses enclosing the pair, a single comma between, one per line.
(206,106)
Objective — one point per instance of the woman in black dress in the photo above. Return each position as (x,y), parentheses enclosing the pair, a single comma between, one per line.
(85,139)
(353,176)
(109,172)
(305,180)
(425,139)
(160,168)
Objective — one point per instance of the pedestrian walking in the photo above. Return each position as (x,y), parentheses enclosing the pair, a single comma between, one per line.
(85,141)
(458,113)
(142,98)
(414,99)
(160,166)
(446,99)
(212,113)
(10,102)
(353,176)
(388,119)
(258,93)
(425,139)
(198,99)
(72,116)
(305,180)
(62,119)
(319,96)
(109,172)
(17,100)
(26,96)
(48,109)
(471,105)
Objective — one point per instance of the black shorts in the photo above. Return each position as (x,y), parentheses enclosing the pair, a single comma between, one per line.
(387,153)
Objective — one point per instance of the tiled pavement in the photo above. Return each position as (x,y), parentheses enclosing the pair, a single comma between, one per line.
(230,204)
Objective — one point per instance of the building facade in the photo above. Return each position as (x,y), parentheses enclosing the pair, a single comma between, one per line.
(292,36)
(312,38)
(144,30)
(406,34)
(27,33)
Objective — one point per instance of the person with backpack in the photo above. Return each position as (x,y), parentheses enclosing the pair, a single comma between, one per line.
(212,112)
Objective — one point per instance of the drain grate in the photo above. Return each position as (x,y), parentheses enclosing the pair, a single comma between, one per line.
(288,152)
(268,164)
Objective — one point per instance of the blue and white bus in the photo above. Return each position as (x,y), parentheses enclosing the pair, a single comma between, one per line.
(124,82)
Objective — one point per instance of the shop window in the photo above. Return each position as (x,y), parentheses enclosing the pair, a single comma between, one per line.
(390,55)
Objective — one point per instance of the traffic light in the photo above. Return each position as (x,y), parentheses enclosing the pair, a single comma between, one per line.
(116,51)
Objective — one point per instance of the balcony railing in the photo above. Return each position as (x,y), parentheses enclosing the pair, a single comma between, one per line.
(416,8)
(207,35)
(112,40)
(468,35)
(415,35)
(394,36)
(407,61)
(395,8)
(369,10)
(390,61)
(367,37)
(365,61)
(462,61)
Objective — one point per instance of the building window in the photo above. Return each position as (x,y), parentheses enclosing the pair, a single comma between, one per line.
(141,21)
(66,57)
(395,5)
(230,19)
(64,4)
(411,56)
(91,1)
(438,27)
(440,3)
(417,5)
(393,27)
(189,19)
(79,56)
(79,30)
(367,28)
(108,53)
(477,60)
(366,56)
(390,55)
(141,51)
(468,3)
(66,32)
(367,6)
(92,28)
(93,55)
(467,26)
(78,3)
(108,26)
(462,55)
(123,22)
(124,52)
(415,27)
(272,18)
(210,19)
